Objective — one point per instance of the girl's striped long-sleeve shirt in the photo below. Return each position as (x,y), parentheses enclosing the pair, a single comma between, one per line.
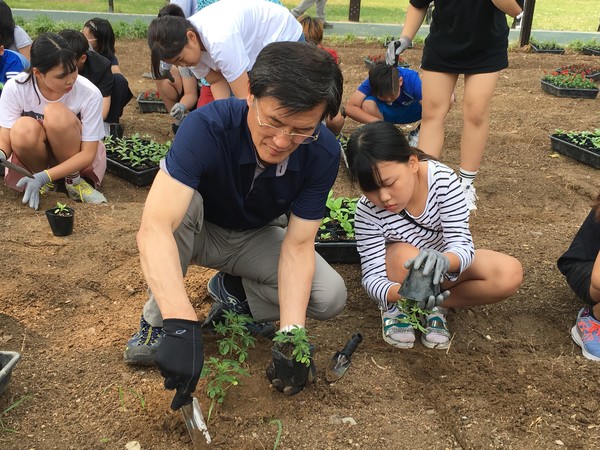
(443,226)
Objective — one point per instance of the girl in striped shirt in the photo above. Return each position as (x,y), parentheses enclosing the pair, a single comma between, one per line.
(414,206)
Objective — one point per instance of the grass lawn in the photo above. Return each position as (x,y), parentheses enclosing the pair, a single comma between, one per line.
(571,15)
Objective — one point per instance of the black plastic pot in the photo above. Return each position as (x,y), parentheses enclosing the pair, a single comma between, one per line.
(568,92)
(61,225)
(139,177)
(8,360)
(556,51)
(590,51)
(338,251)
(574,151)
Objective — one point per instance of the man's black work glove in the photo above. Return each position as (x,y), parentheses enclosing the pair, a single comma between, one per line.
(288,375)
(180,357)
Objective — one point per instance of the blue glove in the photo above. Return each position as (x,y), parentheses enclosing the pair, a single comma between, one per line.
(32,188)
(395,48)
(180,357)
(178,111)
(434,260)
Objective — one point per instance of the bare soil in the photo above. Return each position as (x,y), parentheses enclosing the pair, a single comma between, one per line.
(512,378)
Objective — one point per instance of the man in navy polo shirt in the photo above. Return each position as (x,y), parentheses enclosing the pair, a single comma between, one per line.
(221,199)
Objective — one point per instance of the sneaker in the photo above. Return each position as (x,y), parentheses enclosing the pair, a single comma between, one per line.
(327,26)
(83,192)
(225,301)
(142,346)
(586,334)
(413,137)
(394,332)
(471,196)
(436,334)
(48,187)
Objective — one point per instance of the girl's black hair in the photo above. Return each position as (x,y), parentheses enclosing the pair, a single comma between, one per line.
(103,32)
(373,143)
(7,26)
(49,50)
(171,10)
(166,39)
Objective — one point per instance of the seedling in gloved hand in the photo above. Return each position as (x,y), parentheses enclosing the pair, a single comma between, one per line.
(413,312)
(298,339)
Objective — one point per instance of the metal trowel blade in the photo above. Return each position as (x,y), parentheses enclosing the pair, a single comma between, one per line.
(194,422)
(337,367)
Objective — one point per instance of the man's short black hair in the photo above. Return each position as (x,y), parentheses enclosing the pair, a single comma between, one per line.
(300,76)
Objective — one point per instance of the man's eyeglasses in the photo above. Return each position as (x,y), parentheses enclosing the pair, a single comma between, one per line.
(296,138)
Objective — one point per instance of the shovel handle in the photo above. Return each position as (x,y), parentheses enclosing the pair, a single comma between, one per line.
(352,344)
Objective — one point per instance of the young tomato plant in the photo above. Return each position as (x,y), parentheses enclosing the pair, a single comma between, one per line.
(297,338)
(236,339)
(413,312)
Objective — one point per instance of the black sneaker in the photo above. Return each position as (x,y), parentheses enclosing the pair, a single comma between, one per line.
(142,346)
(327,26)
(225,301)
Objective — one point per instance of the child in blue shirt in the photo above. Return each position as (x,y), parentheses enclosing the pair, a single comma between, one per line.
(10,65)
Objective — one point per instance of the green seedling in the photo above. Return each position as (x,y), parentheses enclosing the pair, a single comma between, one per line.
(279,432)
(7,410)
(222,373)
(298,338)
(413,312)
(236,339)
(62,210)
(121,393)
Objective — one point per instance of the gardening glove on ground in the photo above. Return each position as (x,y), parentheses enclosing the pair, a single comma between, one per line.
(32,188)
(178,111)
(395,48)
(180,357)
(288,375)
(434,261)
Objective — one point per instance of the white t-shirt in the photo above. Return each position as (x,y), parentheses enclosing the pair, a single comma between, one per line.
(235,31)
(85,100)
(22,39)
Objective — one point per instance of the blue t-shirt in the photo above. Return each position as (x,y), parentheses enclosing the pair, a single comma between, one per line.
(10,65)
(213,153)
(410,91)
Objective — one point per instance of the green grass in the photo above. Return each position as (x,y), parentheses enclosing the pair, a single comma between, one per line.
(571,15)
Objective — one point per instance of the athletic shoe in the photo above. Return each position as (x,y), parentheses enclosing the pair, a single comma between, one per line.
(225,301)
(327,26)
(394,331)
(413,137)
(83,192)
(586,334)
(471,196)
(142,346)
(436,334)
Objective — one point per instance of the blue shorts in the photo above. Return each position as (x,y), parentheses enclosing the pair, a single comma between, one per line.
(396,113)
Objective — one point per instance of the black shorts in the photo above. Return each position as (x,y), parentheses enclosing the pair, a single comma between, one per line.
(579,278)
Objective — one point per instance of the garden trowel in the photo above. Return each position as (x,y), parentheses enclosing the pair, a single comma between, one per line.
(340,362)
(16,168)
(194,422)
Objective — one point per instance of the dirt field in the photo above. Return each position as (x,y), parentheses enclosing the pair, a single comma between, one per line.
(512,378)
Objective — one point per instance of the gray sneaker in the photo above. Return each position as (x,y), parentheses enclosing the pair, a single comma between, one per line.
(83,192)
(413,137)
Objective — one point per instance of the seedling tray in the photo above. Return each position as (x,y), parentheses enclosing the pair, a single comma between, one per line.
(590,51)
(142,177)
(8,360)
(568,92)
(338,251)
(150,106)
(576,152)
(556,51)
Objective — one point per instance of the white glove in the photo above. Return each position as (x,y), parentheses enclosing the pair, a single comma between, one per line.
(395,48)
(178,111)
(32,188)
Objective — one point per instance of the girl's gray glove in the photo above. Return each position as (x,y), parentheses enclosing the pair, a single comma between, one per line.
(395,48)
(434,261)
(178,111)
(32,188)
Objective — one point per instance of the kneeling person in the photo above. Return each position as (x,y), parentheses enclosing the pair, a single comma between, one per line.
(220,200)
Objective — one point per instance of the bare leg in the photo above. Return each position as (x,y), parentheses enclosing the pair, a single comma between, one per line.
(437,88)
(28,141)
(479,89)
(63,131)
(492,277)
(170,92)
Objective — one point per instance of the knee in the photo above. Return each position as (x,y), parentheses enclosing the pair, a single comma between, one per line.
(509,277)
(25,133)
(59,118)
(330,302)
(476,115)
